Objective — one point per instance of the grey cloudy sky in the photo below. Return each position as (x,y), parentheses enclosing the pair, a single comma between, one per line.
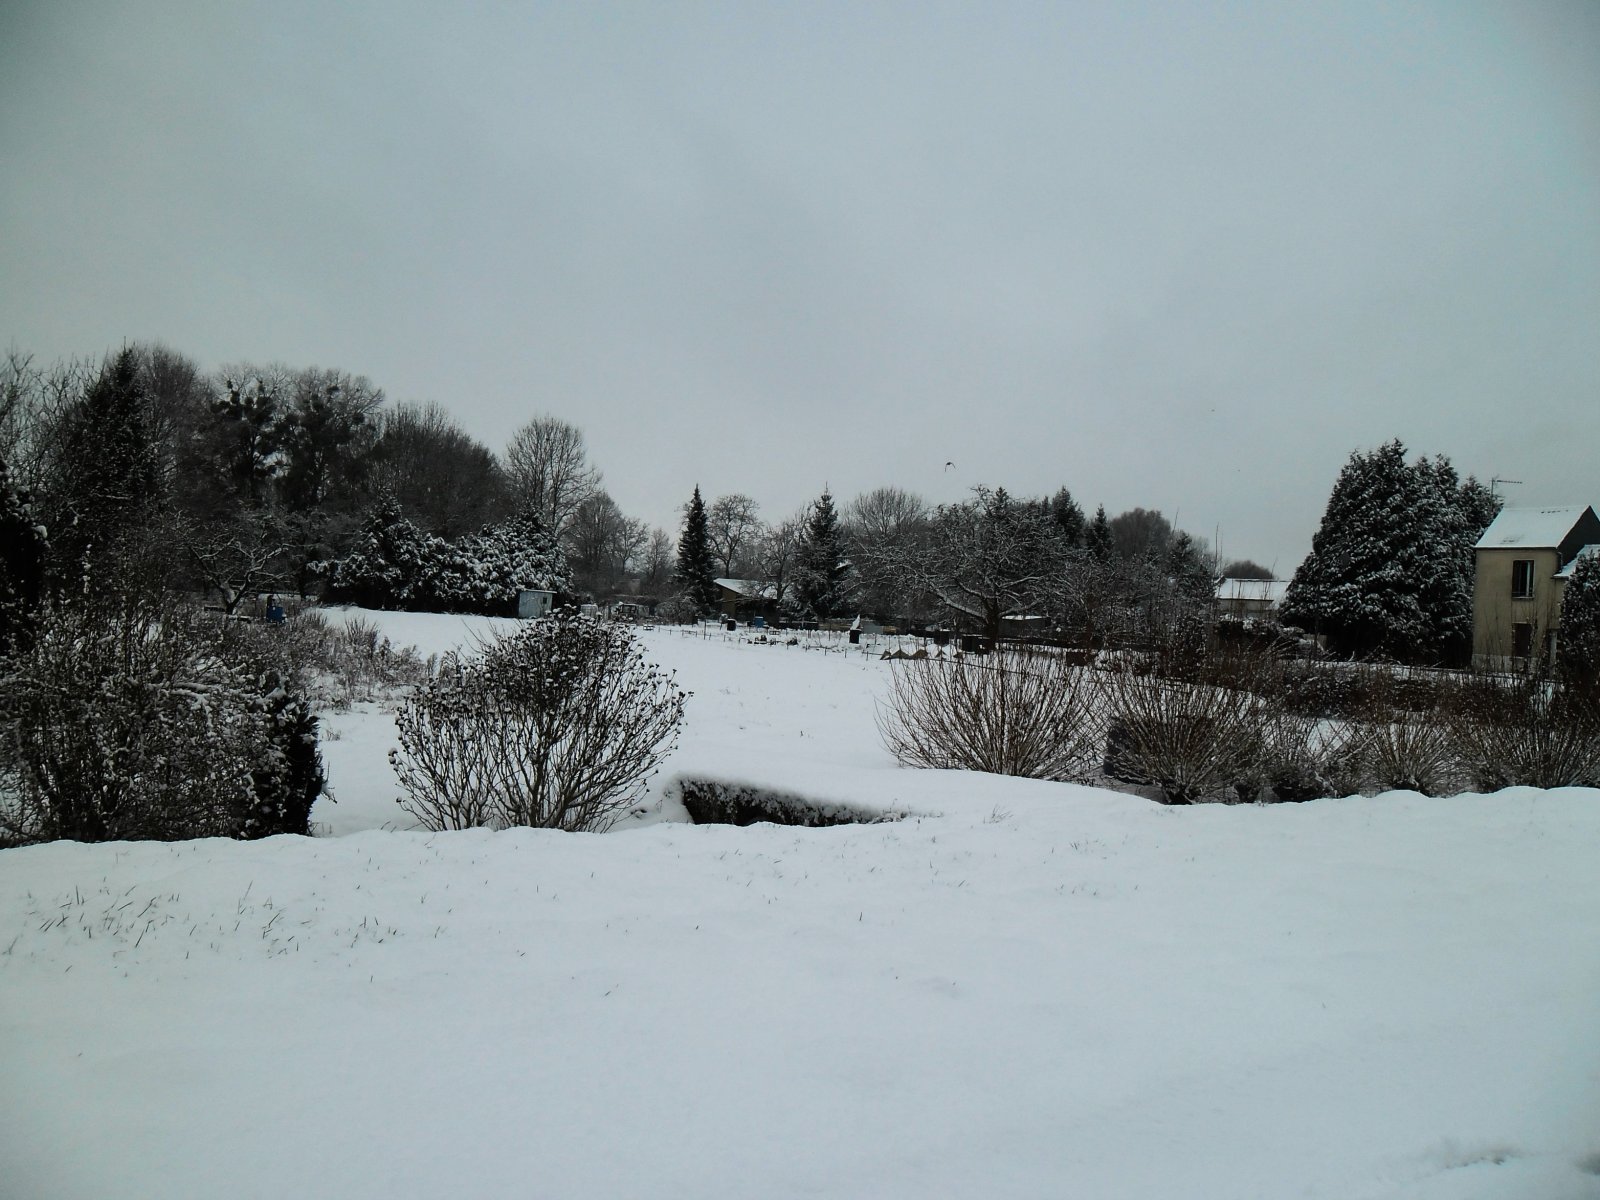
(1182,255)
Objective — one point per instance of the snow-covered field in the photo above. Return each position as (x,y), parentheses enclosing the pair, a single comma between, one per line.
(1024,989)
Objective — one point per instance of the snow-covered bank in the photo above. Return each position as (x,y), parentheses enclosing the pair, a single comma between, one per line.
(1026,990)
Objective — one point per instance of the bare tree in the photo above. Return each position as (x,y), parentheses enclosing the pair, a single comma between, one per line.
(777,554)
(603,543)
(986,557)
(733,523)
(1141,533)
(447,482)
(656,572)
(547,469)
(882,526)
(237,556)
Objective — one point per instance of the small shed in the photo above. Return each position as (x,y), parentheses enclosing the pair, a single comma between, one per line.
(531,602)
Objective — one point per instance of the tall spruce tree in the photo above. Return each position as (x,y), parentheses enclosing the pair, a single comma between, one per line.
(1068,516)
(1097,538)
(1390,568)
(820,567)
(694,577)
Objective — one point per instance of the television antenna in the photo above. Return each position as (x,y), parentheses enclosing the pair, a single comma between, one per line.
(1496,481)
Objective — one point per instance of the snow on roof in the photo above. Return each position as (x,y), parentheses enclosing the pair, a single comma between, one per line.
(1586,552)
(745,587)
(1258,591)
(1538,528)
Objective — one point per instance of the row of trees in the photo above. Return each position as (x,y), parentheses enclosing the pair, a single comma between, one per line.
(979,561)
(260,478)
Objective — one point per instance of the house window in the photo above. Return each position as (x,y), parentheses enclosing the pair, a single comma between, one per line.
(1522,640)
(1522,579)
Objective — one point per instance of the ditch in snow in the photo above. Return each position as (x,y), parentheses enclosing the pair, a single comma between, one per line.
(720,802)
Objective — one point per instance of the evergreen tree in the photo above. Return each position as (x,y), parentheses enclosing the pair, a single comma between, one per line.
(23,547)
(1578,657)
(694,577)
(393,565)
(105,481)
(820,566)
(1390,568)
(1189,570)
(1068,516)
(1097,539)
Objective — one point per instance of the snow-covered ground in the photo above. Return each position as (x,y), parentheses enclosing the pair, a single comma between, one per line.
(1025,989)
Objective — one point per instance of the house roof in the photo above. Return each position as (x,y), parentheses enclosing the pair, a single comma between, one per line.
(752,588)
(1531,528)
(1258,591)
(1586,552)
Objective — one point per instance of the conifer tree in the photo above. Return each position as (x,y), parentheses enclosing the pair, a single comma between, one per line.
(693,577)
(820,568)
(106,479)
(22,557)
(1068,516)
(1390,568)
(1578,656)
(1097,538)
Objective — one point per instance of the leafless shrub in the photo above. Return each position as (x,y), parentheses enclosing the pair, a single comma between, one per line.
(1191,739)
(336,662)
(559,725)
(1304,758)
(1403,739)
(1014,712)
(1529,732)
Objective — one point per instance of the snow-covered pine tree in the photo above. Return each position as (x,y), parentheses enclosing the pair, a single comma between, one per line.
(693,577)
(484,571)
(1390,568)
(392,565)
(1578,655)
(820,567)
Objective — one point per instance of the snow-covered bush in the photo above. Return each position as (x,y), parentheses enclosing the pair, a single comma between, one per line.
(394,565)
(559,725)
(141,725)
(391,565)
(1010,713)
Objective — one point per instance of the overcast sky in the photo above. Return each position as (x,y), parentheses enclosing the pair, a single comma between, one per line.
(1184,256)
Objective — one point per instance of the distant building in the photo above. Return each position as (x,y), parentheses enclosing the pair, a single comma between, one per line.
(1520,568)
(746,597)
(1250,597)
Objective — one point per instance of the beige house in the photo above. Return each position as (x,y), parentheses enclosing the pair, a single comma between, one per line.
(1521,565)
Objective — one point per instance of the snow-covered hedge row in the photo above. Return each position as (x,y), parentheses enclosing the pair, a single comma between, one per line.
(394,565)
